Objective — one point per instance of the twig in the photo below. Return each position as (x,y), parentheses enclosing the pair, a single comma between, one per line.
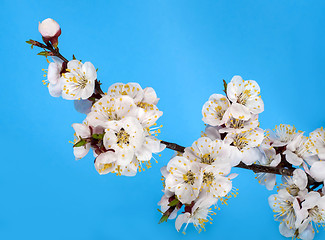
(254,167)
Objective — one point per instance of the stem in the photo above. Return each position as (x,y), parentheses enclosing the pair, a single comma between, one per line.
(254,167)
(173,146)
(48,46)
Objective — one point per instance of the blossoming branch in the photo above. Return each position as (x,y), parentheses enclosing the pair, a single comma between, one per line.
(121,129)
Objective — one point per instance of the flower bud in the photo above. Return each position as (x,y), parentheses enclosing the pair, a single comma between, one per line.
(50,31)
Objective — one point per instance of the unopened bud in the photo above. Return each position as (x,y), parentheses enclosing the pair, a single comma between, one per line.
(50,31)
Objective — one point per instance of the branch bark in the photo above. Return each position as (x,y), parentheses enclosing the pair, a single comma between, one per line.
(256,168)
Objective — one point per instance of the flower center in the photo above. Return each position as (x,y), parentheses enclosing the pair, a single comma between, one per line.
(208,178)
(293,190)
(317,214)
(207,159)
(105,166)
(236,123)
(83,82)
(243,97)
(285,132)
(240,141)
(219,111)
(189,177)
(145,105)
(122,137)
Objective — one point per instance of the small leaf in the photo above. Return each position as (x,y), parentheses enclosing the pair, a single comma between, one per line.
(96,69)
(225,86)
(163,219)
(160,211)
(173,203)
(81,143)
(98,136)
(29,42)
(44,53)
(73,57)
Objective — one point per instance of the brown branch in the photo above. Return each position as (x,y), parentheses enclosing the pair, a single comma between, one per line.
(48,46)
(254,167)
(174,146)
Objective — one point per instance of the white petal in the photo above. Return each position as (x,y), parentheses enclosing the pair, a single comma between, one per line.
(105,162)
(80,152)
(239,111)
(81,130)
(317,171)
(285,231)
(234,88)
(55,90)
(90,71)
(308,234)
(181,219)
(150,96)
(293,158)
(83,106)
(300,178)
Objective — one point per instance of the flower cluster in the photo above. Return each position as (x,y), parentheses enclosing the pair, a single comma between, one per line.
(119,123)
(120,127)
(297,208)
(200,176)
(234,119)
(119,130)
(300,202)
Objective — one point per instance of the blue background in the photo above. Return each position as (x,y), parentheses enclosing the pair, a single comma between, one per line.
(181,48)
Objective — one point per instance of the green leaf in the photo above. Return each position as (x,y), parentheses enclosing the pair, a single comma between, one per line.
(29,42)
(163,219)
(80,143)
(98,136)
(225,86)
(173,203)
(96,69)
(44,53)
(160,211)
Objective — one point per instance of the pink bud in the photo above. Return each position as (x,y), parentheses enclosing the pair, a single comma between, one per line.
(50,31)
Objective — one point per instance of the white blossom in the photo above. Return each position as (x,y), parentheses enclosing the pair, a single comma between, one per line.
(215,179)
(208,152)
(317,138)
(214,109)
(237,125)
(285,206)
(109,108)
(164,204)
(82,132)
(271,159)
(298,151)
(245,98)
(185,179)
(282,135)
(296,184)
(79,80)
(108,162)
(312,211)
(317,171)
(244,146)
(54,79)
(50,31)
(145,99)
(212,132)
(129,139)
(199,214)
(213,157)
